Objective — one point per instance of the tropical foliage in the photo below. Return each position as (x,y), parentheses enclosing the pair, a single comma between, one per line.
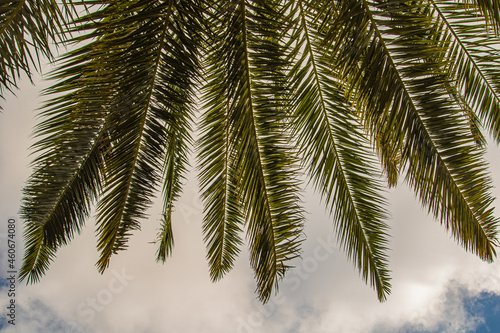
(350,94)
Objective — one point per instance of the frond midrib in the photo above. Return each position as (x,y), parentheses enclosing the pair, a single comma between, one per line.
(170,188)
(226,192)
(167,216)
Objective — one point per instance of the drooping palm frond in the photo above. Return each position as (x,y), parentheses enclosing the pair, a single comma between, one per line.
(69,169)
(223,215)
(473,58)
(27,29)
(245,118)
(336,152)
(175,89)
(442,162)
(159,65)
(127,117)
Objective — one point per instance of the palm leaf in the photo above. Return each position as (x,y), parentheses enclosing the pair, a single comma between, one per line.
(336,153)
(442,162)
(173,94)
(156,48)
(249,118)
(473,59)
(223,217)
(26,35)
(68,171)
(125,122)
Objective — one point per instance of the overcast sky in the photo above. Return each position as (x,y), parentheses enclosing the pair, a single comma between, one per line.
(437,286)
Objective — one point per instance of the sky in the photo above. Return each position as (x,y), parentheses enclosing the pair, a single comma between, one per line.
(436,285)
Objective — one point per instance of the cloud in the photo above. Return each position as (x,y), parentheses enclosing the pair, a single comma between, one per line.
(446,313)
(36,316)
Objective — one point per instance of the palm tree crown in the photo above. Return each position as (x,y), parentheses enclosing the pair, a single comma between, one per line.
(332,88)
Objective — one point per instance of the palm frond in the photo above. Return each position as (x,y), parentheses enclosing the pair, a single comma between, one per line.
(223,214)
(336,152)
(442,162)
(73,140)
(155,47)
(111,84)
(174,99)
(27,29)
(473,59)
(250,116)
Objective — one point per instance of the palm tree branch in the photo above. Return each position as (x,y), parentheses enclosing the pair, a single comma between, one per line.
(265,281)
(327,167)
(112,232)
(479,219)
(43,239)
(69,167)
(491,118)
(250,84)
(179,73)
(221,219)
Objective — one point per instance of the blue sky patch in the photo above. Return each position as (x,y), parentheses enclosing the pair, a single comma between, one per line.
(486,305)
